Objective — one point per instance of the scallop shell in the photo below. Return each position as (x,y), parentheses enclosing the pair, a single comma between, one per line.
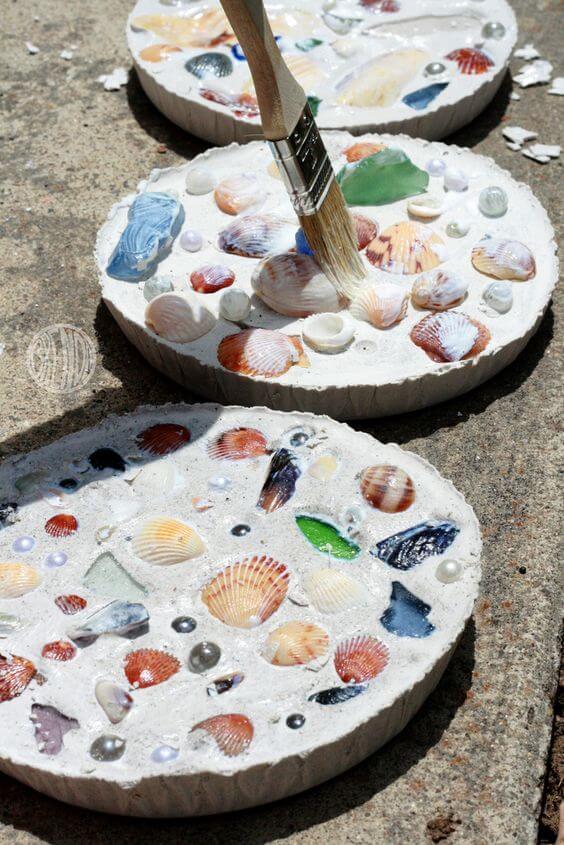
(257,235)
(167,541)
(504,259)
(211,277)
(380,81)
(450,336)
(158,52)
(406,248)
(470,60)
(148,667)
(198,30)
(248,592)
(324,468)
(232,732)
(69,605)
(261,352)
(180,318)
(361,658)
(295,644)
(61,525)
(205,65)
(328,333)
(238,444)
(362,149)
(331,591)
(387,488)
(293,21)
(59,650)
(163,438)
(365,228)
(381,304)
(239,193)
(293,284)
(15,674)
(17,579)
(439,291)
(307,72)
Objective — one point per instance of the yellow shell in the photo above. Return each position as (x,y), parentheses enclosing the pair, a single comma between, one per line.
(166,541)
(199,30)
(17,579)
(331,591)
(406,248)
(379,82)
(324,467)
(296,644)
(246,593)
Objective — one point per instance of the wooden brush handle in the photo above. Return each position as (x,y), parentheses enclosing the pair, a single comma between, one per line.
(281,99)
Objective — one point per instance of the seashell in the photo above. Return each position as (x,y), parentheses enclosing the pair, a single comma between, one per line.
(327,538)
(406,248)
(15,674)
(439,291)
(148,667)
(200,180)
(197,30)
(221,685)
(470,60)
(238,444)
(69,605)
(17,579)
(201,505)
(242,105)
(234,305)
(381,304)
(499,296)
(114,701)
(381,5)
(504,259)
(61,525)
(118,617)
(366,230)
(361,658)
(414,545)
(167,541)
(308,72)
(50,728)
(257,235)
(293,21)
(425,207)
(260,352)
(331,591)
(387,488)
(211,277)
(280,484)
(158,52)
(327,333)
(59,650)
(295,644)
(324,468)
(361,150)
(105,458)
(293,284)
(338,695)
(153,222)
(406,615)
(450,336)
(163,438)
(380,81)
(245,594)
(232,732)
(209,64)
(180,318)
(239,193)
(346,46)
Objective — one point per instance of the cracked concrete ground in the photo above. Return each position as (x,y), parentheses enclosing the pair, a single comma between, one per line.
(470,767)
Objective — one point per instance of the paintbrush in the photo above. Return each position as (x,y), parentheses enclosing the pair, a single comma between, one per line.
(289,126)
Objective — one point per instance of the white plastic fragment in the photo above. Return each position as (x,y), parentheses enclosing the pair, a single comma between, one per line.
(31,48)
(542,152)
(518,135)
(528,52)
(66,55)
(557,86)
(511,145)
(537,72)
(515,96)
(114,80)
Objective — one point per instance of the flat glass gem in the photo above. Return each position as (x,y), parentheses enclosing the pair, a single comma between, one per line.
(240,530)
(434,69)
(295,721)
(492,201)
(191,241)
(184,625)
(435,167)
(219,482)
(23,545)
(164,754)
(155,286)
(203,656)
(55,559)
(457,228)
(421,98)
(493,29)
(107,748)
(381,178)
(448,571)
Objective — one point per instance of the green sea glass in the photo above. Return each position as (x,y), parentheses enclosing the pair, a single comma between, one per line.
(308,44)
(107,577)
(381,178)
(326,538)
(314,103)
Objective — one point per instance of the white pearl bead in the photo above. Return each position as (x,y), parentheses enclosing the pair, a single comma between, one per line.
(455,179)
(448,571)
(219,482)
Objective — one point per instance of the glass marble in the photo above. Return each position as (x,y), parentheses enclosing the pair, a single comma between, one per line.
(203,656)
(295,721)
(155,286)
(435,167)
(23,545)
(107,748)
(108,578)
(434,69)
(55,559)
(191,240)
(326,538)
(219,482)
(353,517)
(184,624)
(300,438)
(241,530)
(406,615)
(499,296)
(492,201)
(382,178)
(457,228)
(164,754)
(448,571)
(421,98)
(414,545)
(493,29)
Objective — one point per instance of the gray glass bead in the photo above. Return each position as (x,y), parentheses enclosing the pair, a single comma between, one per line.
(191,241)
(164,754)
(55,559)
(299,438)
(184,624)
(493,201)
(240,530)
(203,656)
(493,29)
(107,748)
(499,296)
(434,69)
(295,721)
(155,286)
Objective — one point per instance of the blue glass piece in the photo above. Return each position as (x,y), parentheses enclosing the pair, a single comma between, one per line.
(153,222)
(302,244)
(406,615)
(337,695)
(421,98)
(414,545)
(237,53)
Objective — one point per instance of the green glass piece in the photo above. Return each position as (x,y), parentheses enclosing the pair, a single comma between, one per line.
(308,44)
(107,577)
(384,177)
(326,538)
(314,104)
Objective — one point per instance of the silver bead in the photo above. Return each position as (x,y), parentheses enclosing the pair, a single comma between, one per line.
(107,748)
(434,69)
(493,201)
(448,571)
(203,656)
(455,179)
(493,29)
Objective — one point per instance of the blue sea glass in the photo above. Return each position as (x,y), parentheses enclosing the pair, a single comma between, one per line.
(338,695)
(414,545)
(406,615)
(302,244)
(153,222)
(421,98)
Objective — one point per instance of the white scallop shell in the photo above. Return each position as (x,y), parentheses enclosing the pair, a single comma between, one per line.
(324,467)
(382,304)
(155,479)
(166,541)
(439,290)
(328,332)
(180,318)
(332,591)
(294,285)
(17,579)
(504,259)
(380,81)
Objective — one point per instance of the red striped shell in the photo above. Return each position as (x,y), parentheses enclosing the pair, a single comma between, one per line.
(360,659)
(248,592)
(59,650)
(261,352)
(70,605)
(450,336)
(15,674)
(362,149)
(381,5)
(238,444)
(61,525)
(210,278)
(406,248)
(148,667)
(470,60)
(387,488)
(232,732)
(163,438)
(365,228)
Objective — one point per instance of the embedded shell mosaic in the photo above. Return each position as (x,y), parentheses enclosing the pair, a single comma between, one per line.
(205,608)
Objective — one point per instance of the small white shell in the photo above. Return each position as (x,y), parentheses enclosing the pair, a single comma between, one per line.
(331,591)
(425,207)
(156,479)
(234,305)
(327,332)
(439,290)
(179,318)
(499,296)
(382,304)
(293,284)
(200,180)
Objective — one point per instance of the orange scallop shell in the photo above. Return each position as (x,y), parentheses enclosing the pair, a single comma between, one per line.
(406,248)
(388,488)
(148,667)
(15,674)
(232,732)
(296,644)
(70,605)
(362,149)
(163,438)
(366,229)
(61,525)
(360,659)
(237,444)
(261,352)
(437,335)
(470,60)
(59,650)
(158,52)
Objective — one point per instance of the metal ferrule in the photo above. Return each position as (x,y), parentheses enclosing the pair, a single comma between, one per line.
(304,165)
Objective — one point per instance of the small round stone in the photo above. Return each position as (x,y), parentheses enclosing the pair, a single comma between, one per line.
(219,482)
(493,29)
(435,167)
(23,545)
(455,179)
(240,530)
(184,624)
(295,721)
(55,559)
(155,286)
(457,228)
(448,571)
(191,241)
(107,748)
(492,201)
(164,754)
(299,438)
(434,69)
(234,305)
(203,656)
(68,483)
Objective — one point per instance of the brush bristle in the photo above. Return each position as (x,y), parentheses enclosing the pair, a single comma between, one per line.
(332,239)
